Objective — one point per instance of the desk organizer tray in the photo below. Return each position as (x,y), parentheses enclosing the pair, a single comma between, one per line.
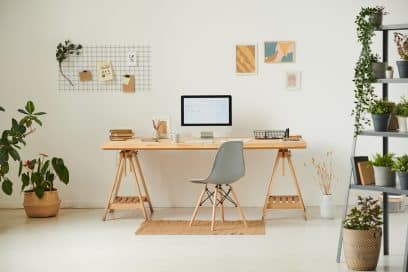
(269,134)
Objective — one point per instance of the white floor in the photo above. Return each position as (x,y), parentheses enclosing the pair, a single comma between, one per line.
(77,240)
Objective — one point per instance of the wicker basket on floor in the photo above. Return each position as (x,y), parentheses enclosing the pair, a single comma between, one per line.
(362,248)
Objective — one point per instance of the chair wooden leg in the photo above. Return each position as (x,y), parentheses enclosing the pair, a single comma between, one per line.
(116,180)
(221,206)
(197,206)
(214,208)
(239,207)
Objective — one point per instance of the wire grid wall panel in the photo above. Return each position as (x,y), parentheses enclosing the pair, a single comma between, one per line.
(118,56)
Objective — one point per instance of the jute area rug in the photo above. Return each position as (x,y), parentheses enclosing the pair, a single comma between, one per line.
(181,227)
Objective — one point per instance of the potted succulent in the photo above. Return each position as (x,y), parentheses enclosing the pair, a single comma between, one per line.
(325,176)
(381,114)
(389,72)
(383,174)
(401,41)
(41,198)
(378,67)
(401,167)
(401,110)
(362,235)
(376,16)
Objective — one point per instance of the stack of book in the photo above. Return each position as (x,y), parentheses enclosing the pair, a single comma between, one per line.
(121,134)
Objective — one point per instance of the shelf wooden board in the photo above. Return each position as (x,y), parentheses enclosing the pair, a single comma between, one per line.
(393,80)
(384,133)
(393,27)
(392,190)
(284,202)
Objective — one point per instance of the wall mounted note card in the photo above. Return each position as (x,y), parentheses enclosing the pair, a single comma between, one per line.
(131,58)
(293,81)
(245,59)
(128,83)
(280,51)
(85,75)
(105,71)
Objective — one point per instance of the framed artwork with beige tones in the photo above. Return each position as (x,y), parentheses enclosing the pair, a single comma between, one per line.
(279,52)
(293,81)
(246,59)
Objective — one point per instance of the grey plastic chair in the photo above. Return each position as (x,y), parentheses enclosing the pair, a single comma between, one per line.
(228,167)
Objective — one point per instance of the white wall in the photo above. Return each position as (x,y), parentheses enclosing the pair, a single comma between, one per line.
(193,50)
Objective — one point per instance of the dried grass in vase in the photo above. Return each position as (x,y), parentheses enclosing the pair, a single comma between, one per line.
(324,174)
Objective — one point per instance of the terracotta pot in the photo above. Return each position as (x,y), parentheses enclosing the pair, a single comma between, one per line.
(362,248)
(47,206)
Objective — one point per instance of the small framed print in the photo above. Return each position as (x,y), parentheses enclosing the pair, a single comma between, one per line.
(131,58)
(246,59)
(163,126)
(293,81)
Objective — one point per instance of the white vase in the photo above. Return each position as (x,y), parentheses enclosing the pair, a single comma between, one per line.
(389,74)
(402,123)
(327,207)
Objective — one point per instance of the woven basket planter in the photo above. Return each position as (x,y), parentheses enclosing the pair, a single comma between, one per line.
(47,206)
(362,248)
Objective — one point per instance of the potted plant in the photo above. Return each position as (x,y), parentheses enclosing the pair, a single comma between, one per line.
(389,72)
(363,72)
(41,198)
(362,235)
(401,110)
(381,114)
(378,67)
(376,16)
(401,41)
(400,166)
(64,50)
(383,174)
(324,175)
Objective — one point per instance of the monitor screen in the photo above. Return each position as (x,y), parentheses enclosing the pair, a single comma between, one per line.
(206,110)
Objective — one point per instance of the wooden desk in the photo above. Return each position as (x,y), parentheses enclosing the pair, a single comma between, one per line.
(129,155)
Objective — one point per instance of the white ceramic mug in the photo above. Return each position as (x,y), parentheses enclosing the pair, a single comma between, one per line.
(174,138)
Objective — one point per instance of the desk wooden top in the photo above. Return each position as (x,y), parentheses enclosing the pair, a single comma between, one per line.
(165,144)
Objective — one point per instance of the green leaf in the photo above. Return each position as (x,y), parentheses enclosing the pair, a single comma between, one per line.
(25,179)
(20,168)
(49,176)
(40,113)
(22,111)
(60,169)
(2,109)
(30,107)
(35,178)
(14,154)
(44,168)
(5,168)
(7,187)
(4,156)
(37,120)
(39,192)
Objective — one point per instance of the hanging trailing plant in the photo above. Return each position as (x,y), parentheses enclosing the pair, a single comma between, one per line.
(64,50)
(363,72)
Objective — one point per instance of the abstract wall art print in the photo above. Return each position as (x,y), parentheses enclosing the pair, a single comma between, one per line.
(279,52)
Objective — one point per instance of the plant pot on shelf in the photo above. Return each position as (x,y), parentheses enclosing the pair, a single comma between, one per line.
(402,123)
(384,176)
(362,248)
(403,180)
(47,206)
(379,69)
(402,68)
(389,74)
(381,121)
(327,207)
(376,19)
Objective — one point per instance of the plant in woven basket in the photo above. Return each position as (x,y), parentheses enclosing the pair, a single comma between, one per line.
(64,50)
(39,174)
(366,215)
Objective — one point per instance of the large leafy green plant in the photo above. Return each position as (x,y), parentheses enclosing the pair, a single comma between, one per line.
(382,160)
(402,108)
(400,164)
(13,139)
(39,174)
(381,107)
(64,50)
(363,71)
(366,215)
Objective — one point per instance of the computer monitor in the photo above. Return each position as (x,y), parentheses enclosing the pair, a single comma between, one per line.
(206,110)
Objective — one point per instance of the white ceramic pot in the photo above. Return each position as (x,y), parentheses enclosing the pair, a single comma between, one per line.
(402,123)
(389,74)
(327,207)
